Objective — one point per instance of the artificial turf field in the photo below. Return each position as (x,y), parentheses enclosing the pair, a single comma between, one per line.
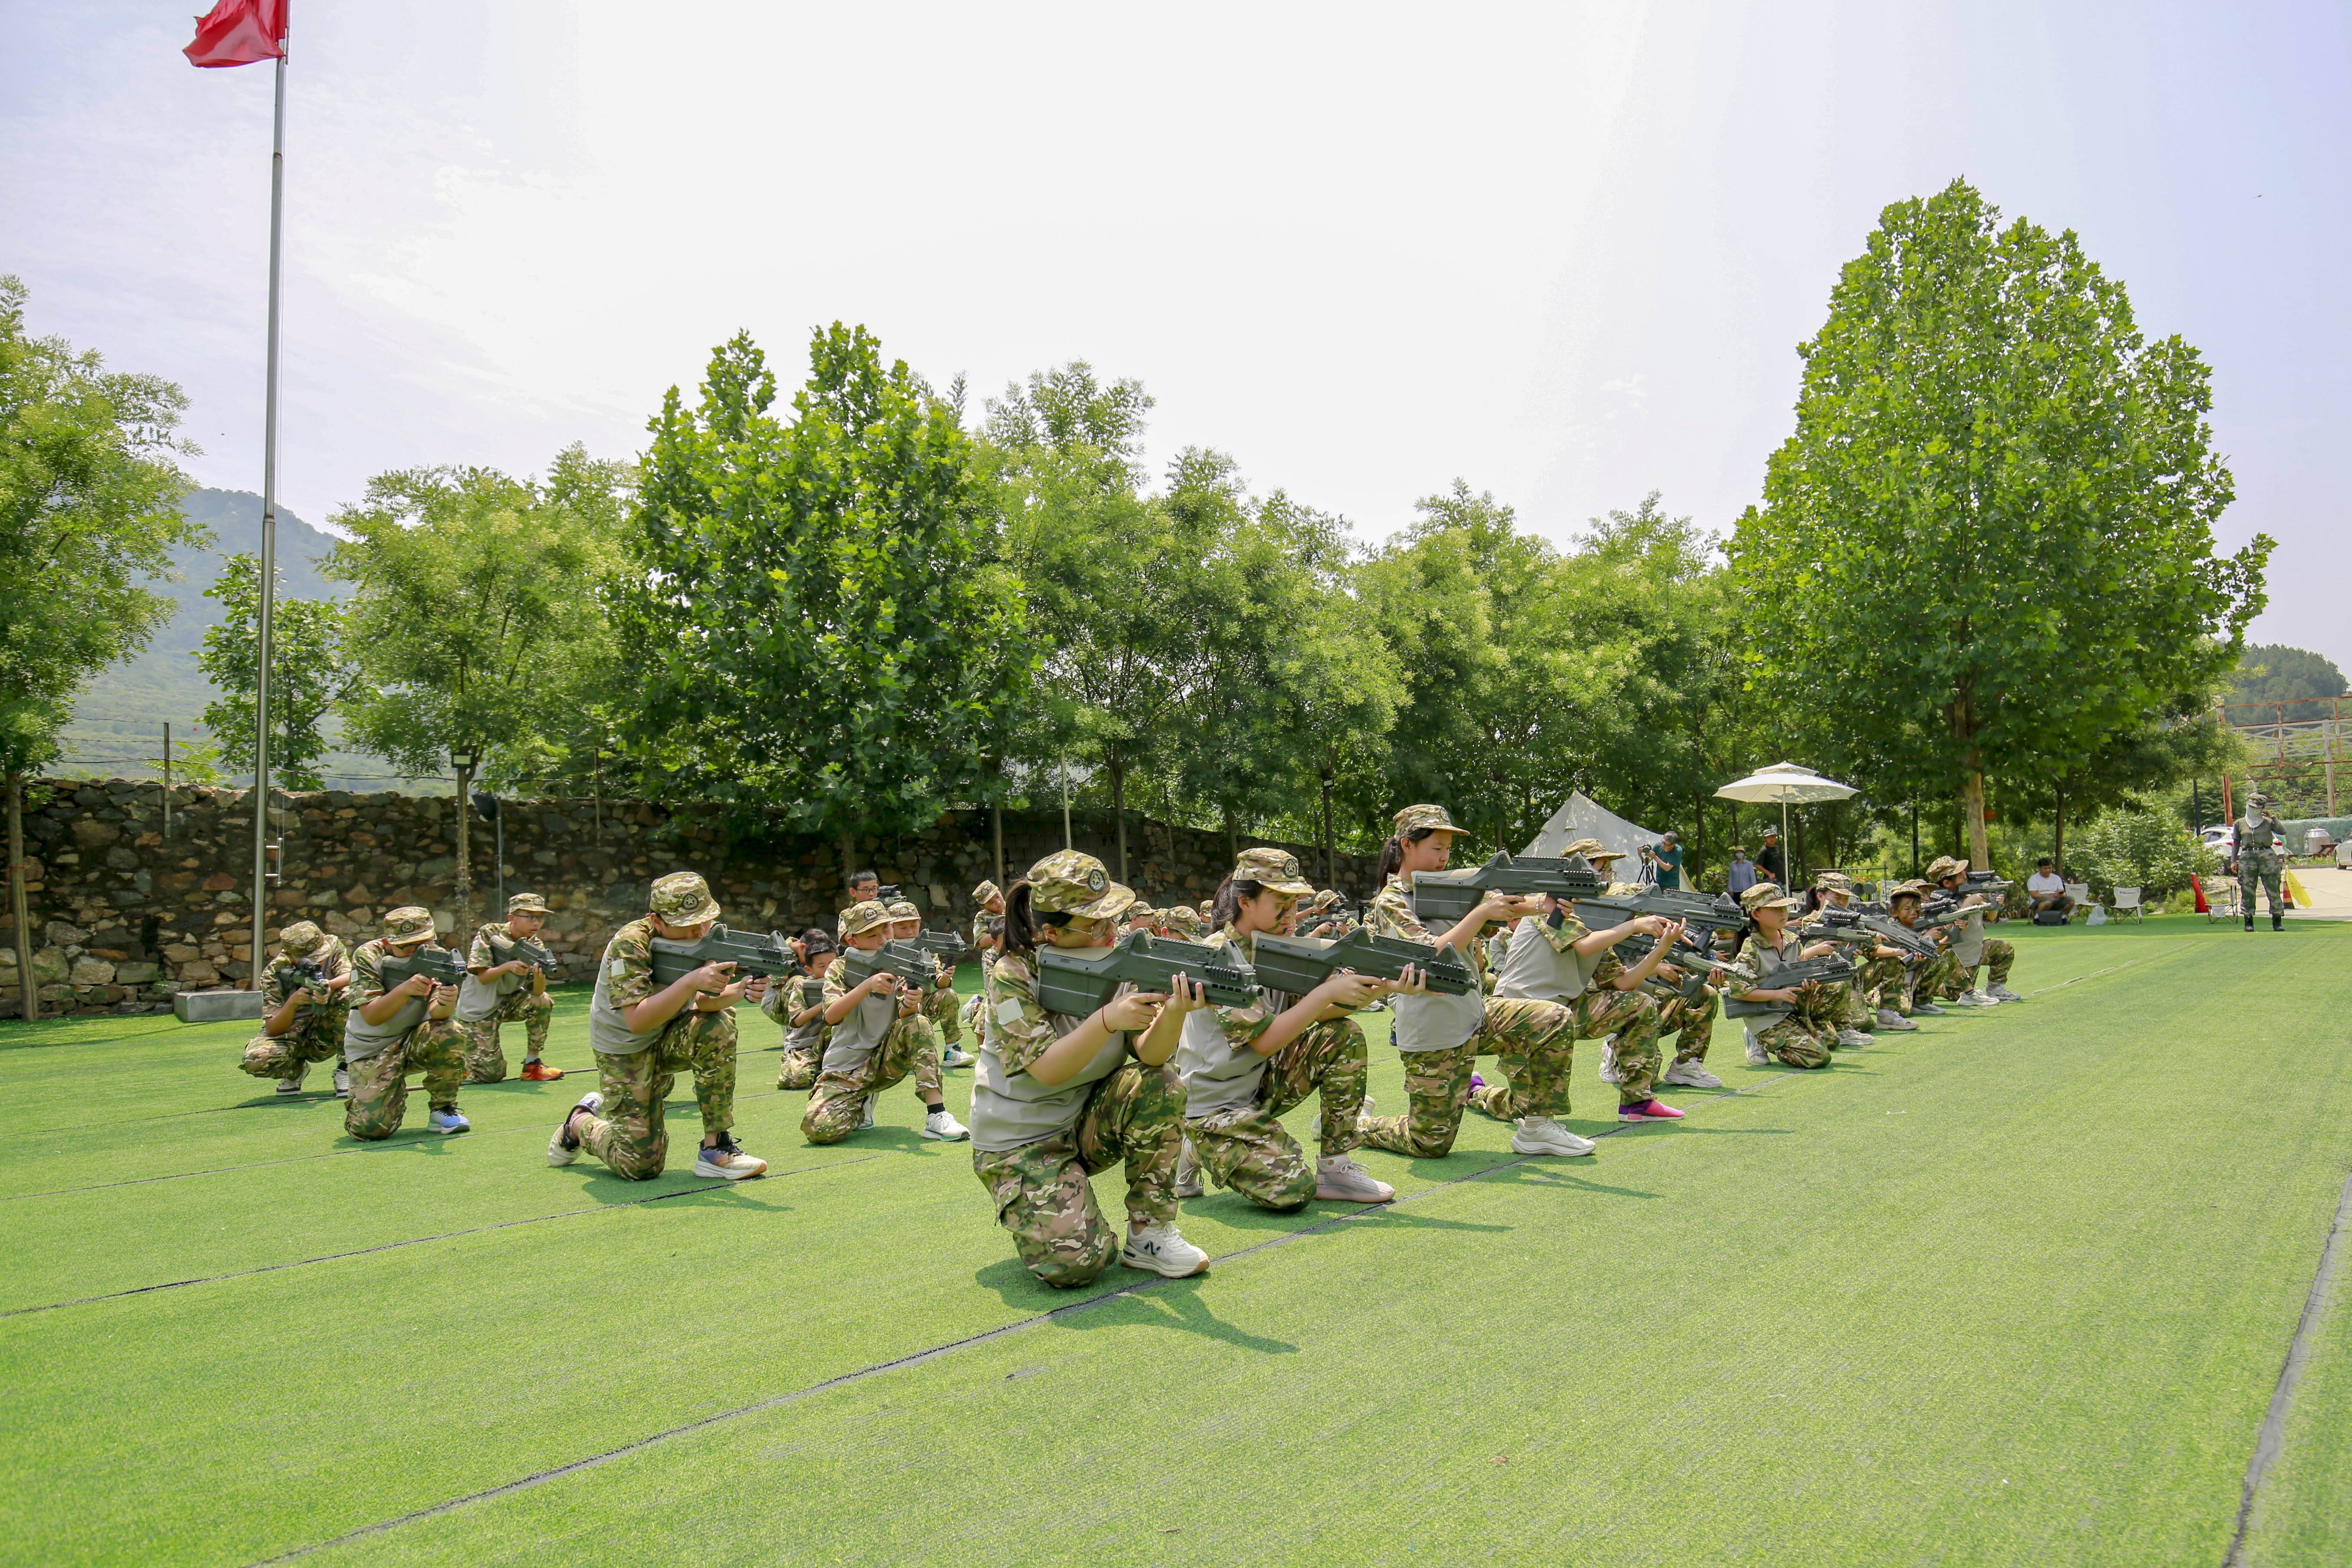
(2015,1288)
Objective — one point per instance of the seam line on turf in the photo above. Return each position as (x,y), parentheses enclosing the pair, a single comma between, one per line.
(934,1352)
(412,1241)
(2272,1439)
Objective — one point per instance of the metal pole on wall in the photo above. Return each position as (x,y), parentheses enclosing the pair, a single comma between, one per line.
(268,544)
(167,778)
(1066,800)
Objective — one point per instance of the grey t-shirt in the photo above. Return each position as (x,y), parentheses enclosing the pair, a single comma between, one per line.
(1011,1110)
(1220,1067)
(1535,971)
(362,1040)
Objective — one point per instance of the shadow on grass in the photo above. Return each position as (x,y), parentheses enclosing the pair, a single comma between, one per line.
(1168,1304)
(1560,1176)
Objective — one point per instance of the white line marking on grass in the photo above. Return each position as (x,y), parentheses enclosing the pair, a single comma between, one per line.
(918,1358)
(2273,1436)
(412,1241)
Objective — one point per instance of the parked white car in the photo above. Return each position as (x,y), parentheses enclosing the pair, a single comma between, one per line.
(2221,839)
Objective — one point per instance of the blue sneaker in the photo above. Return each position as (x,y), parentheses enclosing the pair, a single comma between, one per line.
(447,1121)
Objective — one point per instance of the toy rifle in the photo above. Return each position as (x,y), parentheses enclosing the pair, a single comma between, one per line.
(1687,955)
(947,946)
(1441,898)
(751,952)
(1076,981)
(1297,964)
(1830,969)
(1700,911)
(530,951)
(1916,946)
(437,961)
(312,975)
(910,960)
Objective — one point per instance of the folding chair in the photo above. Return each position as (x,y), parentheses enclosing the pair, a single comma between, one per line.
(2127,903)
(2220,900)
(2080,892)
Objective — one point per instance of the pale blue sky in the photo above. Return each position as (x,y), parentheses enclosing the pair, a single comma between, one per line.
(1563,251)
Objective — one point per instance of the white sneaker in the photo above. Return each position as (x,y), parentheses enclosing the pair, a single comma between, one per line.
(723,1162)
(1340,1179)
(941,1124)
(289,1086)
(956,1056)
(1542,1135)
(1691,1075)
(1756,1055)
(2002,994)
(1888,1018)
(1158,1247)
(560,1153)
(1852,1038)
(343,1084)
(1188,1172)
(1978,999)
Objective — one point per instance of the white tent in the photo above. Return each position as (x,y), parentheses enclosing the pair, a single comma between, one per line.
(1581,817)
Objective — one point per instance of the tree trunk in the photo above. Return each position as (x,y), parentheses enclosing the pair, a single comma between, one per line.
(848,856)
(2058,833)
(28,991)
(464,860)
(1331,862)
(996,838)
(1914,839)
(1119,810)
(1980,852)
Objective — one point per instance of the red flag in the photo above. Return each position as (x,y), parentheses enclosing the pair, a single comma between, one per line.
(238,33)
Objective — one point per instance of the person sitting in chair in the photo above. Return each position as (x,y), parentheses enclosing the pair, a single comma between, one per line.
(2046,890)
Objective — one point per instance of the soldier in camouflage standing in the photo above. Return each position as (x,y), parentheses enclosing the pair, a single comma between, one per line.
(502,990)
(644,1035)
(394,1031)
(940,1005)
(2261,862)
(798,1003)
(1057,1099)
(1243,1068)
(878,1037)
(1802,1030)
(1441,1037)
(304,1005)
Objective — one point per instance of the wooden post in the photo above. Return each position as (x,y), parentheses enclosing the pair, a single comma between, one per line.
(167,778)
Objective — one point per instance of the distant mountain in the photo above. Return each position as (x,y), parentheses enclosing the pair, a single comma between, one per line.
(121,714)
(2296,677)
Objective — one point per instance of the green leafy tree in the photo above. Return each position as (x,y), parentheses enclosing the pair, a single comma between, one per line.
(1987,546)
(2296,677)
(812,610)
(308,672)
(474,596)
(89,491)
(2140,844)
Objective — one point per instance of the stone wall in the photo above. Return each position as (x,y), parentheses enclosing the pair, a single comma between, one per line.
(123,915)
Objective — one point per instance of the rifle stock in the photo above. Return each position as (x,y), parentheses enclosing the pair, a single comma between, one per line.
(1076,981)
(751,952)
(1297,964)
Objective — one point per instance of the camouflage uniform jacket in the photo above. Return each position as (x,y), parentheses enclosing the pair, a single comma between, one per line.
(282,979)
(1391,914)
(1753,969)
(1010,1110)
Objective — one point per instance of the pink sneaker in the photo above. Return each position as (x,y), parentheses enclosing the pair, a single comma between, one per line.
(1649,1111)
(1476,1083)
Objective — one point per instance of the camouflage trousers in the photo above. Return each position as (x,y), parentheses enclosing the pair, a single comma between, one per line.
(627,1133)
(1251,1152)
(802,1064)
(2250,877)
(837,1106)
(289,1056)
(1532,1042)
(945,1010)
(1798,1040)
(1043,1192)
(1998,956)
(1937,978)
(1692,1024)
(1629,1053)
(1878,986)
(485,1062)
(436,1048)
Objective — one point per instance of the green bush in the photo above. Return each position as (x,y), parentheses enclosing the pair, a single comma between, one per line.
(2140,844)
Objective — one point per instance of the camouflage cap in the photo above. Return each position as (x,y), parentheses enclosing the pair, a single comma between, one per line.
(1944,866)
(902,910)
(1327,898)
(1587,847)
(526,904)
(407,923)
(1765,895)
(986,891)
(1833,882)
(1434,817)
(1141,911)
(1071,883)
(863,917)
(1184,920)
(301,939)
(1274,869)
(2257,797)
(683,898)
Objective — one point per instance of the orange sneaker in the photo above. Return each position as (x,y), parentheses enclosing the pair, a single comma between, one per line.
(540,1072)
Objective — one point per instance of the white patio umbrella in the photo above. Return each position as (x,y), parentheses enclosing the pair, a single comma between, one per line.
(1787,783)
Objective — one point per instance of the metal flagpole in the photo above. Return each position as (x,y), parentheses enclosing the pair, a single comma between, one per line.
(268,537)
